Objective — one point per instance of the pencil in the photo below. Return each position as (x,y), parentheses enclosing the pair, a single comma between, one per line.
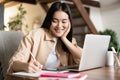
(32,56)
(113,49)
(116,59)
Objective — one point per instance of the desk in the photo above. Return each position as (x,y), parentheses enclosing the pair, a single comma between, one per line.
(105,73)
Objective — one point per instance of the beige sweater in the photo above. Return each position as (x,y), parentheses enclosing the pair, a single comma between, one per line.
(40,42)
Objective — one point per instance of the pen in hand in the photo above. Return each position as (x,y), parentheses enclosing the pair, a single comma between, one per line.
(33,57)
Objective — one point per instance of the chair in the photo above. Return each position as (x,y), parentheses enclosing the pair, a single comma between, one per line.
(9,41)
(1,72)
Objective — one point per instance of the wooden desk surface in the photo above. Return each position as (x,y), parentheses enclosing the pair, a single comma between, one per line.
(105,73)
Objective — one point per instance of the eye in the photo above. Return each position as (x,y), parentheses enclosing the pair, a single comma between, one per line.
(65,21)
(54,20)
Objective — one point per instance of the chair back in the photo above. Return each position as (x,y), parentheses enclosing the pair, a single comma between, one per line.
(9,41)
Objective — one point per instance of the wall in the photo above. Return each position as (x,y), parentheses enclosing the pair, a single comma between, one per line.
(34,17)
(95,16)
(111,16)
(107,16)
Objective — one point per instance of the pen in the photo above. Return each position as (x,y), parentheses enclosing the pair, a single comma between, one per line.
(117,60)
(115,56)
(32,56)
(113,49)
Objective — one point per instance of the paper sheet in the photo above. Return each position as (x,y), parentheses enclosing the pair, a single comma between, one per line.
(30,74)
(37,74)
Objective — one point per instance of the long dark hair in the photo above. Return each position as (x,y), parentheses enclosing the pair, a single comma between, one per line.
(48,19)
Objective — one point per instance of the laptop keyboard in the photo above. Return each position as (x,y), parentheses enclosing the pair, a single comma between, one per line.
(68,67)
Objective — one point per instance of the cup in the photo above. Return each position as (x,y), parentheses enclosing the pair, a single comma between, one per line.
(110,58)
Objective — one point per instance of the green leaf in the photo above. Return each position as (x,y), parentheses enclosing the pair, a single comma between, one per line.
(114,38)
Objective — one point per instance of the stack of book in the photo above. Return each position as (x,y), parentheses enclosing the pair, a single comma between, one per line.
(63,75)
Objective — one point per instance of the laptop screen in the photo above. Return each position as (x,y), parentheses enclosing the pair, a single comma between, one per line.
(94,51)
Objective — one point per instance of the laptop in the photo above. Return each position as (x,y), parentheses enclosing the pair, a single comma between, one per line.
(94,52)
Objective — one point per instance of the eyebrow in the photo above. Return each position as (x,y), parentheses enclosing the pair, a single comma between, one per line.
(58,19)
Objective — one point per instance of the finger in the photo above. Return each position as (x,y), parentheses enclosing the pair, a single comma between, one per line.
(41,66)
(31,70)
(69,26)
(33,67)
(38,64)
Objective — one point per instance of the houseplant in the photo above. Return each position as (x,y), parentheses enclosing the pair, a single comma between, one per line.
(113,43)
(16,22)
(114,40)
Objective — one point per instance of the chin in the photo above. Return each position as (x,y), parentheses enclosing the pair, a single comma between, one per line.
(58,35)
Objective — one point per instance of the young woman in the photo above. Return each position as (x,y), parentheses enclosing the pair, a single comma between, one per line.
(52,45)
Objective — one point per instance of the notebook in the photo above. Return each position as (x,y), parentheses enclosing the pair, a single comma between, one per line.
(94,52)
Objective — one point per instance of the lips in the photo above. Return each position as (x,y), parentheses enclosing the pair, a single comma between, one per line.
(58,30)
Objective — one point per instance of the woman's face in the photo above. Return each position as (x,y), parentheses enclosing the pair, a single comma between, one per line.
(59,24)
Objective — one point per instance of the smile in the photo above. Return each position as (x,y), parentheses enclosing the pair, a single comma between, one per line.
(59,30)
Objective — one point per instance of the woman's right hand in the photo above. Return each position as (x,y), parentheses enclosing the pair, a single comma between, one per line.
(33,66)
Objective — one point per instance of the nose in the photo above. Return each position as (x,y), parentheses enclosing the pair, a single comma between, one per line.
(59,24)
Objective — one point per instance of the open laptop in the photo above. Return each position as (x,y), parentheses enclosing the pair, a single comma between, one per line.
(94,52)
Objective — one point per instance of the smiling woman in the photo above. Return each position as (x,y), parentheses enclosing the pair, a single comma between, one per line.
(55,35)
(60,23)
